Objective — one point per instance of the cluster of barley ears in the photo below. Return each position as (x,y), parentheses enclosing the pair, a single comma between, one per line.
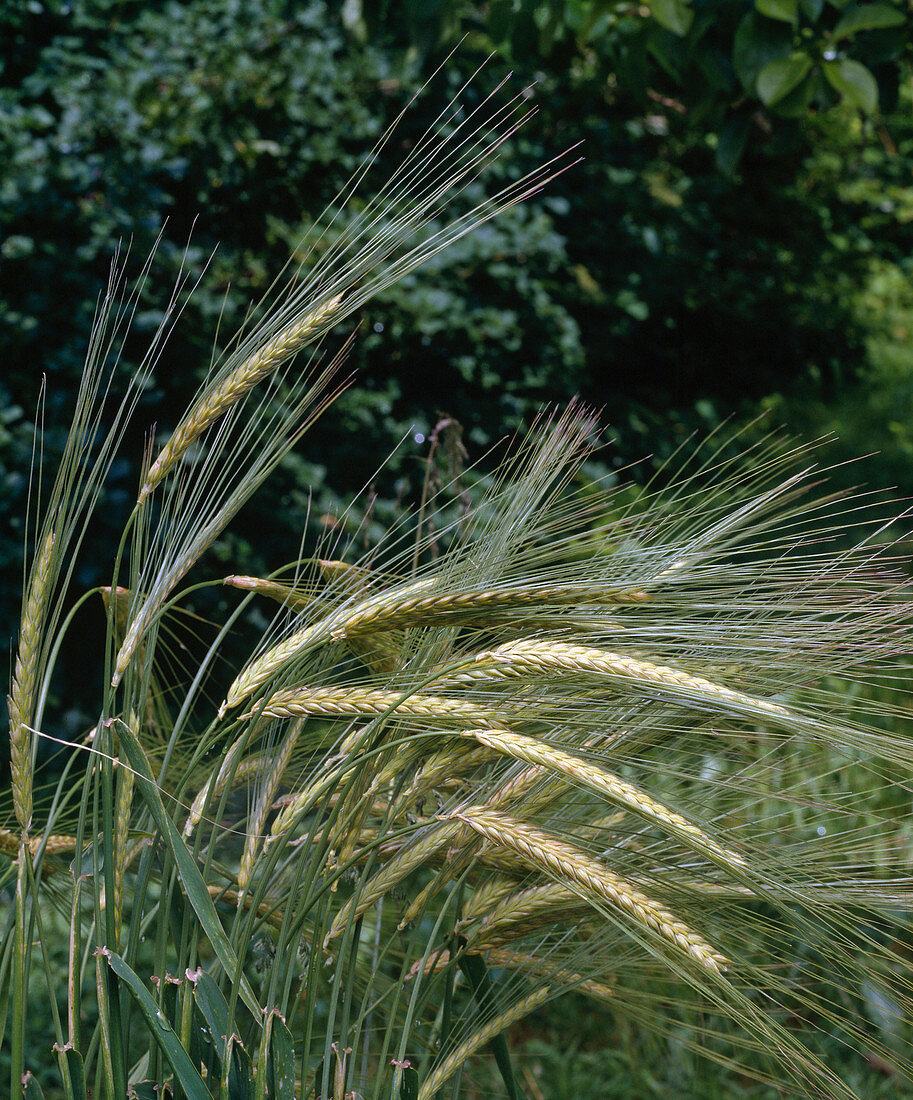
(598,741)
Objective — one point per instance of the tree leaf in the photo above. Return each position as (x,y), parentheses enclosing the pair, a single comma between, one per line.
(674,15)
(758,41)
(184,1070)
(731,143)
(854,82)
(787,11)
(867,17)
(778,78)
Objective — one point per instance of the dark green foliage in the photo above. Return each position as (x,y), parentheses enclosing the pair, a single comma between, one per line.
(707,254)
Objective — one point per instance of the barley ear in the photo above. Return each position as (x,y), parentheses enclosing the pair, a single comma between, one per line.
(574,868)
(446,1069)
(21,699)
(402,864)
(217,400)
(264,802)
(552,759)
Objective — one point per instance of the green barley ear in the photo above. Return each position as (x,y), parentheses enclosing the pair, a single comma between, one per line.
(22,698)
(213,403)
(405,223)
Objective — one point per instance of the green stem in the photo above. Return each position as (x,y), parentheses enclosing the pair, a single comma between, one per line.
(17,1036)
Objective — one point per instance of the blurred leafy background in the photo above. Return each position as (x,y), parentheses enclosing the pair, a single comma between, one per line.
(738,236)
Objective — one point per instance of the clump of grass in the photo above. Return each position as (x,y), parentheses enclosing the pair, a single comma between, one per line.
(569,740)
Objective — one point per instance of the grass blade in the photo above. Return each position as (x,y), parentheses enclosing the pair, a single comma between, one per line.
(188,870)
(280,1064)
(178,1058)
(214,1007)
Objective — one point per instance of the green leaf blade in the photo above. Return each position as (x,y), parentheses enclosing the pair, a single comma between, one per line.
(280,1066)
(169,1044)
(189,872)
(787,11)
(778,78)
(854,82)
(868,17)
(674,15)
(214,1009)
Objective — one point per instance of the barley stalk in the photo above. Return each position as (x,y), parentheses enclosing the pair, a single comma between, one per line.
(21,699)
(515,659)
(364,703)
(446,1069)
(417,852)
(522,747)
(572,866)
(218,400)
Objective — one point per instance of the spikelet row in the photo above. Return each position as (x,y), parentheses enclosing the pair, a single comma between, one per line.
(417,852)
(442,1073)
(550,757)
(364,703)
(572,866)
(215,402)
(21,699)
(417,610)
(520,658)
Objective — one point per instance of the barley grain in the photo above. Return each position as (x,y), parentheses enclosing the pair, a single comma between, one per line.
(517,659)
(419,849)
(233,771)
(265,800)
(266,666)
(415,610)
(294,598)
(123,806)
(56,844)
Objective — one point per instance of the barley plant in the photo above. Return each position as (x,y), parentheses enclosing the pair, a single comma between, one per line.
(550,734)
